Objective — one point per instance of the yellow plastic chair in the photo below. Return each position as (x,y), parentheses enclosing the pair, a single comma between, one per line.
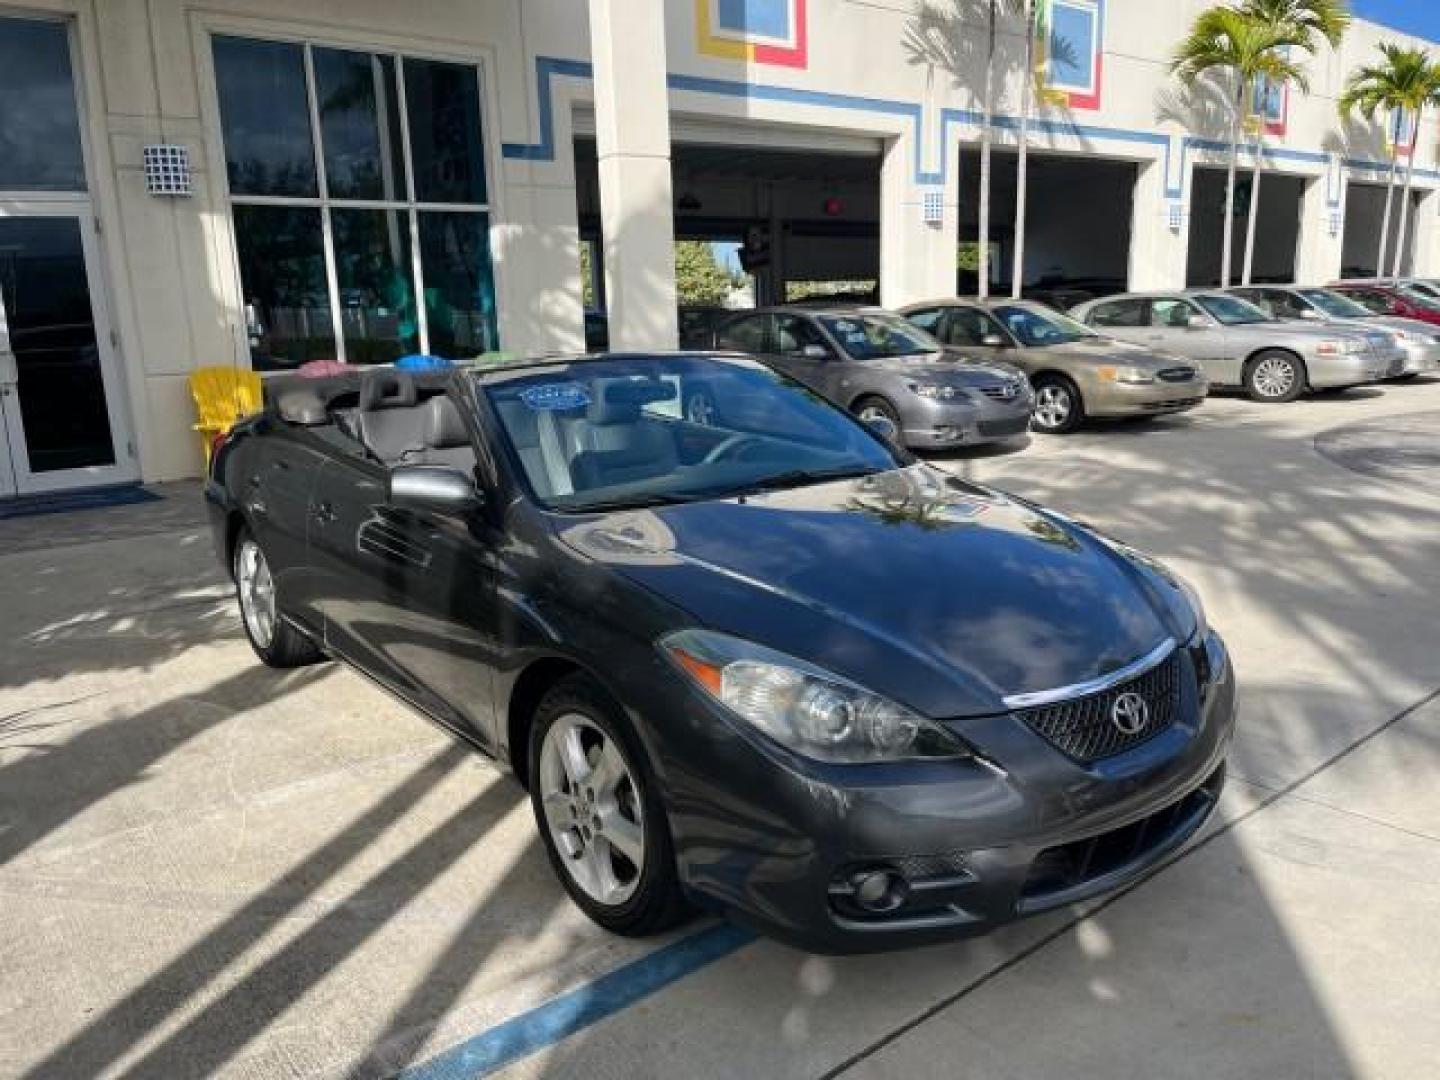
(223,395)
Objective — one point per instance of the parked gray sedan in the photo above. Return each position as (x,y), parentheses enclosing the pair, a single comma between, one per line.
(1417,344)
(877,365)
(1076,372)
(1237,344)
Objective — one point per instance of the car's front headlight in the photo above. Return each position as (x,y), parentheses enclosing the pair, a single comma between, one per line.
(937,391)
(1126,375)
(1340,347)
(802,707)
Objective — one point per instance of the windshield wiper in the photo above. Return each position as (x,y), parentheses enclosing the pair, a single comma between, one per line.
(791,478)
(634,502)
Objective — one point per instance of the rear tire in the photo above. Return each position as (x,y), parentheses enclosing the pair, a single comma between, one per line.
(1275,377)
(275,641)
(1059,408)
(589,782)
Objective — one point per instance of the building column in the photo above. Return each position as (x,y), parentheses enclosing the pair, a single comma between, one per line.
(917,257)
(1425,252)
(632,139)
(1322,227)
(1160,229)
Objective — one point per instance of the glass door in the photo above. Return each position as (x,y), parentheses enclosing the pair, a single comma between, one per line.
(60,426)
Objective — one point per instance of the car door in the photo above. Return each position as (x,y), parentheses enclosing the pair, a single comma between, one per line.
(408,594)
(1125,319)
(977,332)
(802,351)
(1178,325)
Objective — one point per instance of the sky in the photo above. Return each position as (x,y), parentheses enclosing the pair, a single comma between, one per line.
(1420,17)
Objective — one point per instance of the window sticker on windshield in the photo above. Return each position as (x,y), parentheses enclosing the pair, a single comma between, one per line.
(555,397)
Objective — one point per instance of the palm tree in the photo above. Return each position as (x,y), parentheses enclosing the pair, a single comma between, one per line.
(1404,84)
(1227,40)
(1310,22)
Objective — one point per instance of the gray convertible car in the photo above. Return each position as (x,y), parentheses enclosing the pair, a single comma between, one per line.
(1076,371)
(878,365)
(769,665)
(1420,342)
(1237,344)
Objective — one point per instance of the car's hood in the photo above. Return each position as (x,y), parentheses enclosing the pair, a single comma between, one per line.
(948,366)
(1107,350)
(938,593)
(1396,322)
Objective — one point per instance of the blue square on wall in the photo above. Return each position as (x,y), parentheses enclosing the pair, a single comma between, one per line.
(1073,32)
(760,18)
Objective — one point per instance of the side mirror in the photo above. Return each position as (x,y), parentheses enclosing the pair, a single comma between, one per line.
(993,341)
(433,487)
(1197,322)
(884,427)
(815,352)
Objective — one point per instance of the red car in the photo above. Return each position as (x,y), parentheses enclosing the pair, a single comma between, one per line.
(1385,298)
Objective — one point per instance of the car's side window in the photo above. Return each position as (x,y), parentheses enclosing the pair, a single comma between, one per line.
(927,319)
(1173,314)
(1119,313)
(970,326)
(793,333)
(1281,304)
(745,334)
(1264,299)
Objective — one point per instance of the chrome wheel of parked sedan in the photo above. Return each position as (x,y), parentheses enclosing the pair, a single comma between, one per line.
(257,592)
(1057,406)
(1275,377)
(592,809)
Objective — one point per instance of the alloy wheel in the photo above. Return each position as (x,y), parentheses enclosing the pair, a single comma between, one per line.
(699,409)
(1273,377)
(1052,406)
(256,589)
(870,413)
(592,809)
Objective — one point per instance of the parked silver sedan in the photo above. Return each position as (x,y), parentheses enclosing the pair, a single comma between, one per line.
(1237,344)
(879,366)
(1416,344)
(1076,372)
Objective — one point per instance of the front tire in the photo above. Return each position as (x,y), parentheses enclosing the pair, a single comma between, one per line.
(275,641)
(875,408)
(599,814)
(1275,377)
(1059,408)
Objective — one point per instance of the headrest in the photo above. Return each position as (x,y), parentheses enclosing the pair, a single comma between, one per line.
(619,401)
(302,407)
(444,427)
(385,388)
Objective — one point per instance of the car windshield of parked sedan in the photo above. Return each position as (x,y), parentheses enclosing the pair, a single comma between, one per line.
(631,432)
(1419,296)
(878,336)
(1335,305)
(1232,311)
(1038,328)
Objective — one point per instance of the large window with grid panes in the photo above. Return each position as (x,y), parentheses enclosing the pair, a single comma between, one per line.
(358,194)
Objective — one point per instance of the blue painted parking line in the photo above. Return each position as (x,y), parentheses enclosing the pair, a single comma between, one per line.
(562,1017)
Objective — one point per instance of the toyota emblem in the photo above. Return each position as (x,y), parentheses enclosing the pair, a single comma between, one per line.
(1130,714)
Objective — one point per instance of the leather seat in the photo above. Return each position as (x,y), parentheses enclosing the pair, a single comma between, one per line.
(618,444)
(445,437)
(388,421)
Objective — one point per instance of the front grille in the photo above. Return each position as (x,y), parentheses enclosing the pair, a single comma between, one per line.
(1176,374)
(1084,728)
(998,428)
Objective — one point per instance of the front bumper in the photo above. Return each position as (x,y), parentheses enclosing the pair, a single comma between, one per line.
(1419,359)
(1113,399)
(1333,372)
(980,844)
(929,424)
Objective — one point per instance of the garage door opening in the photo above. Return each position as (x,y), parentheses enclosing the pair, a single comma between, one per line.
(1364,215)
(754,226)
(1277,228)
(1077,231)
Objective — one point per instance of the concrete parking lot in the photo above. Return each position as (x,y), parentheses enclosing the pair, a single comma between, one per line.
(209,868)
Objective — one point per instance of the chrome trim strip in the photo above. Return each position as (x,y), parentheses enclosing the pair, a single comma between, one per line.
(1094,686)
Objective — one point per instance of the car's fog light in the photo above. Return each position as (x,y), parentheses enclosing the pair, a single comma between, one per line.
(879,891)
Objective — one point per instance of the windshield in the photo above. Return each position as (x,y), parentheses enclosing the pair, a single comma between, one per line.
(1417,294)
(1335,305)
(878,335)
(1033,327)
(617,433)
(1231,310)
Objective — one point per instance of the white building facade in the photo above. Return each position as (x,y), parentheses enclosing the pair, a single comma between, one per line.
(360,179)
